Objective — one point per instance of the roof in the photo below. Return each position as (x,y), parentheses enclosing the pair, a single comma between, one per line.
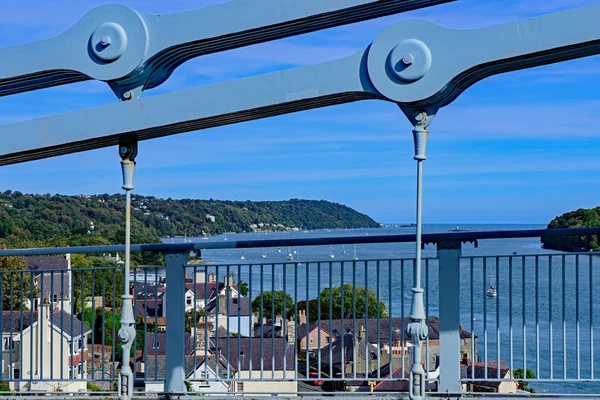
(266,330)
(466,372)
(399,385)
(155,367)
(155,344)
(46,263)
(373,326)
(62,320)
(232,306)
(272,353)
(332,353)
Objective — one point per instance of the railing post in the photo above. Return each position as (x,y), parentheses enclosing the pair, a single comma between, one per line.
(175,347)
(448,253)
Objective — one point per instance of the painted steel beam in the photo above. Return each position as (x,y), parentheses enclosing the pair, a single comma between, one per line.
(116,43)
(441,65)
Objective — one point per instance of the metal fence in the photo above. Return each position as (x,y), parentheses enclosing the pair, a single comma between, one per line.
(291,327)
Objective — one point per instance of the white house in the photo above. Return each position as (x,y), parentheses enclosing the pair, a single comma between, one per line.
(39,346)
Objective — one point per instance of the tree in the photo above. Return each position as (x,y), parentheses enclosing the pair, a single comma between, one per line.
(189,319)
(106,277)
(16,287)
(364,308)
(243,288)
(518,374)
(275,299)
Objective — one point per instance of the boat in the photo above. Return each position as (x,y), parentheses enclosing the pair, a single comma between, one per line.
(294,249)
(491,292)
(279,249)
(355,257)
(343,250)
(458,229)
(263,255)
(242,257)
(331,255)
(289,255)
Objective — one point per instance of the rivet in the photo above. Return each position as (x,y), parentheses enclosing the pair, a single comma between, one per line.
(407,59)
(105,41)
(419,116)
(127,95)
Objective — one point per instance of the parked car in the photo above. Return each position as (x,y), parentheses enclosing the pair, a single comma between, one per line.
(314,379)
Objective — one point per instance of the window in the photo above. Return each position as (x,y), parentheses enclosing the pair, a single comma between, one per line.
(240,386)
(327,339)
(188,300)
(7,344)
(156,344)
(311,340)
(16,373)
(55,298)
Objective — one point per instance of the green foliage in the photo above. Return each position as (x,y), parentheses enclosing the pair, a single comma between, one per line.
(28,220)
(364,307)
(4,387)
(269,299)
(582,218)
(189,319)
(518,374)
(93,387)
(244,288)
(16,288)
(107,282)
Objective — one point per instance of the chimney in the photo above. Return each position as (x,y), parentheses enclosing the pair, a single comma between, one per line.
(301,317)
(212,277)
(278,320)
(361,332)
(291,331)
(254,318)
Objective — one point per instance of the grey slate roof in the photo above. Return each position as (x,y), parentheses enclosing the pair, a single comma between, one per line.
(398,326)
(60,319)
(492,372)
(270,359)
(155,344)
(237,306)
(46,263)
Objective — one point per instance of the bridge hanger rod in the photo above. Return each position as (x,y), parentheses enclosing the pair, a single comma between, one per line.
(441,65)
(114,42)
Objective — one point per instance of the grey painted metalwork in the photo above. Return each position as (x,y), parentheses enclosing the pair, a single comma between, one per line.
(449,61)
(417,65)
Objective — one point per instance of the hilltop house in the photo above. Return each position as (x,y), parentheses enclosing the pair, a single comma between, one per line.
(40,345)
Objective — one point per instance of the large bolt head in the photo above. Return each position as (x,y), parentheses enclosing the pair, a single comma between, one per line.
(108,42)
(409,61)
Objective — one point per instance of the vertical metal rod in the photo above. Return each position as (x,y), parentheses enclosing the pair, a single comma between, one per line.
(427,318)
(550,316)
(284,318)
(577,316)
(318,319)
(523,295)
(471,284)
(485,343)
(102,321)
(296,348)
(307,319)
(239,320)
(175,350)
(45,312)
(564,316)
(331,334)
(354,333)
(497,284)
(510,312)
(537,317)
(591,287)
(128,152)
(367,320)
(342,325)
(418,328)
(262,320)
(378,324)
(194,329)
(273,319)
(402,338)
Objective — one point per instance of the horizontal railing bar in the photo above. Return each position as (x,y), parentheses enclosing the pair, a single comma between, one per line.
(430,238)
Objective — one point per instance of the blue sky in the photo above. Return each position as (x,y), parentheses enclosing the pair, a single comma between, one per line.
(515,148)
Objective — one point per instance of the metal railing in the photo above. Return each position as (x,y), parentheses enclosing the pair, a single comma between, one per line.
(296,326)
